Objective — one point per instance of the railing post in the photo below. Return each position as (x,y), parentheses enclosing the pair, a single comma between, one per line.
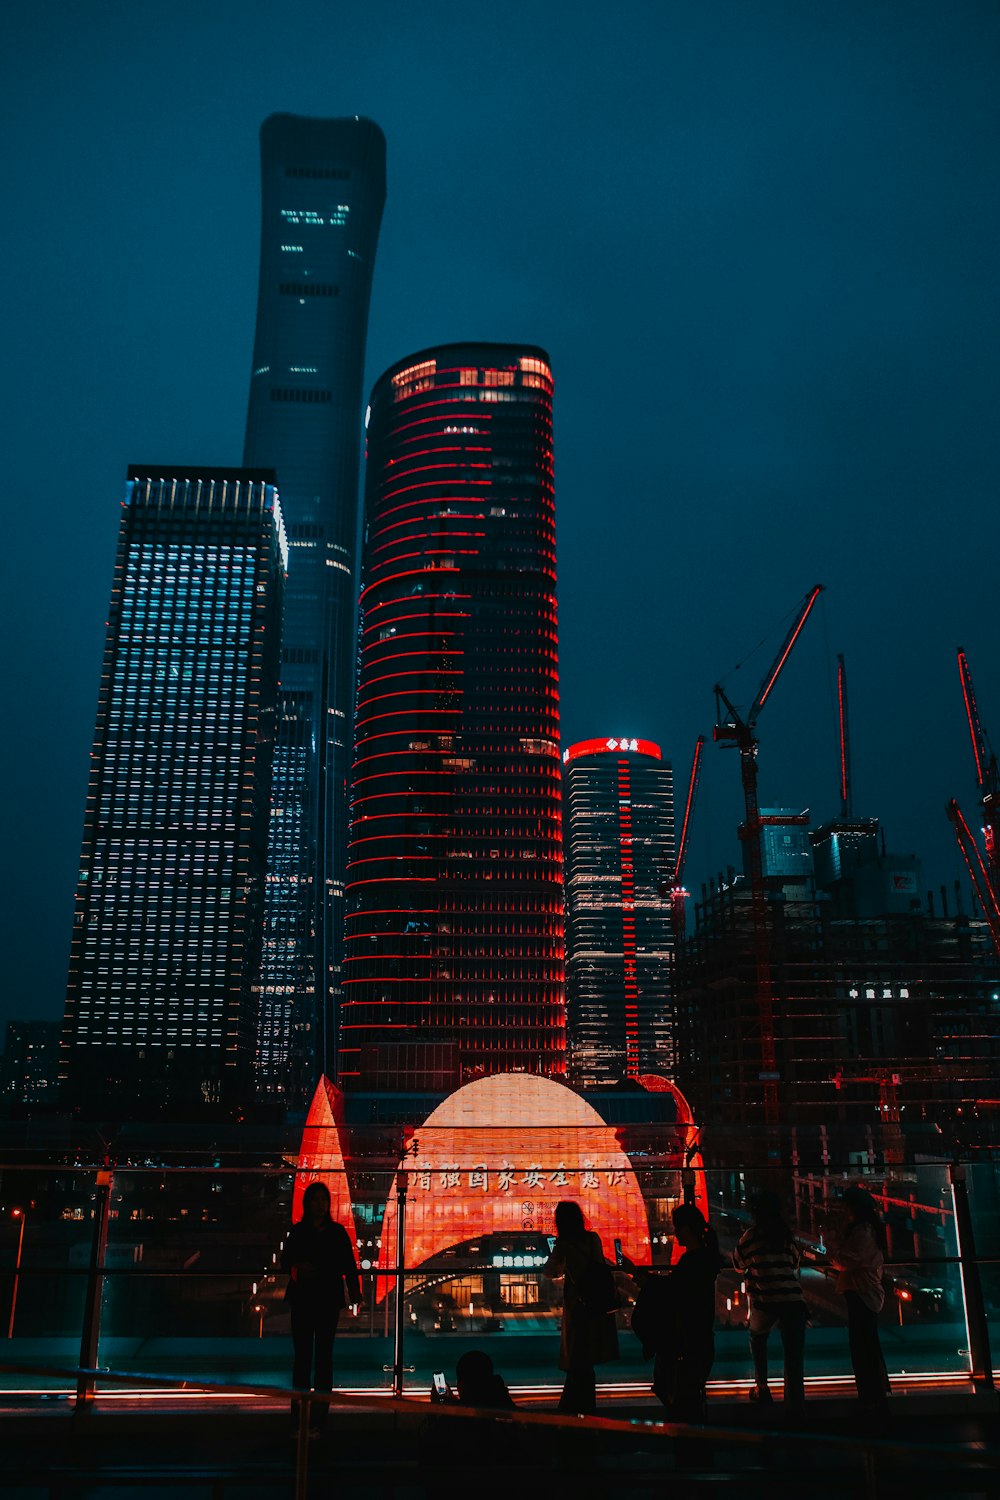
(91,1332)
(399,1325)
(305,1410)
(972,1288)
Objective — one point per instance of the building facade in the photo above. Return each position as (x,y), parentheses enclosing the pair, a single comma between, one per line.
(323,190)
(619,834)
(161,1006)
(454,962)
(29,1067)
(885,1022)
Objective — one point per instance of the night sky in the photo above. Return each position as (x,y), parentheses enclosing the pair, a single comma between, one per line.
(759,241)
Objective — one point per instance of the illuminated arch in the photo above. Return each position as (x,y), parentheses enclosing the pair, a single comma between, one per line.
(321,1155)
(497,1156)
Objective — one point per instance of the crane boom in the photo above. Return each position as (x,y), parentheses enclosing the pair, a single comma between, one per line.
(673,890)
(987,772)
(740,732)
(692,792)
(986,761)
(777,666)
(977,871)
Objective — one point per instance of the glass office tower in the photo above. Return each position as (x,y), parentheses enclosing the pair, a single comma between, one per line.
(160,1006)
(322,197)
(619,847)
(454,947)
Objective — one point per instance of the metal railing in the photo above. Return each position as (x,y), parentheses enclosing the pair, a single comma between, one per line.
(97,1272)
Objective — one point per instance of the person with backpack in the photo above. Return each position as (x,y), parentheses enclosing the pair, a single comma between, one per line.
(769,1257)
(674,1317)
(859,1258)
(589,1334)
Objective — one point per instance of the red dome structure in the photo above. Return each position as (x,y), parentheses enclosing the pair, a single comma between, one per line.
(497,1156)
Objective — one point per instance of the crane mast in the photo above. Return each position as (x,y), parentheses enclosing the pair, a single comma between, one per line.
(846,800)
(739,730)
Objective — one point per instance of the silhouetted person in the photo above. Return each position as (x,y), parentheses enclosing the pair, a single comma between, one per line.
(472,1443)
(589,1335)
(686,1344)
(478,1384)
(319,1258)
(769,1256)
(859,1257)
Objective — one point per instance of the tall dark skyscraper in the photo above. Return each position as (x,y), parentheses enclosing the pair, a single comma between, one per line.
(619,829)
(323,194)
(161,1004)
(454,952)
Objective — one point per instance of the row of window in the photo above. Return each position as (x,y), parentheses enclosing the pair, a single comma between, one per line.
(308,289)
(302,394)
(323,174)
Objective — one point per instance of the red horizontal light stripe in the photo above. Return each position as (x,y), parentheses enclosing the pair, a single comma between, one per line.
(421,598)
(407,573)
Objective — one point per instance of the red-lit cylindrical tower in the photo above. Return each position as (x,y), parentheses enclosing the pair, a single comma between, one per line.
(454,946)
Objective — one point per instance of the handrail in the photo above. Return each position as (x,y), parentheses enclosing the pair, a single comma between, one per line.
(990,1457)
(426,1268)
(865,1449)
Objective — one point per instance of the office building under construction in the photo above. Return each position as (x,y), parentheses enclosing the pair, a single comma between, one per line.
(885,1014)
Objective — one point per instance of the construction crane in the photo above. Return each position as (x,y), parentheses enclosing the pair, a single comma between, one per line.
(981,883)
(846,801)
(987,773)
(740,730)
(890,1117)
(672,889)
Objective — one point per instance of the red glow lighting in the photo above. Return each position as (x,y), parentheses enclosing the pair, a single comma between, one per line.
(612,747)
(762,696)
(321,1155)
(842,706)
(497,1156)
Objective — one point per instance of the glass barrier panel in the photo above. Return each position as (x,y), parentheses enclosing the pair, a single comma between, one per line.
(46,1233)
(983,1180)
(194,1285)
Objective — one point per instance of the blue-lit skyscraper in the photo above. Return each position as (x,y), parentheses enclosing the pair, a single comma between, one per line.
(161,1006)
(323,189)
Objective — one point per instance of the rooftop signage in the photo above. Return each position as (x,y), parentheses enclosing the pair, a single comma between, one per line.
(612,747)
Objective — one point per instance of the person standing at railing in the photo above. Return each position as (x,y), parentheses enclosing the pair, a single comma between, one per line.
(674,1316)
(319,1258)
(859,1258)
(589,1334)
(769,1257)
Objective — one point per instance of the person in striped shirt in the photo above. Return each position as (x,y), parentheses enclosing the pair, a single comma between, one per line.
(769,1257)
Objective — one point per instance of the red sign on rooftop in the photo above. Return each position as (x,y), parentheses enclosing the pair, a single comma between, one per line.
(612,746)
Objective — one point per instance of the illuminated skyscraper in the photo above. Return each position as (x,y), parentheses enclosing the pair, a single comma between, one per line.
(160,1003)
(454,948)
(619,847)
(323,193)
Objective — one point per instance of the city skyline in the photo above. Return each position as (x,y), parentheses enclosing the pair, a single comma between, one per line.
(800,311)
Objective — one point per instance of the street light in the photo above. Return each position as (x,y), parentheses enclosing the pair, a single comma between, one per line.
(16,1213)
